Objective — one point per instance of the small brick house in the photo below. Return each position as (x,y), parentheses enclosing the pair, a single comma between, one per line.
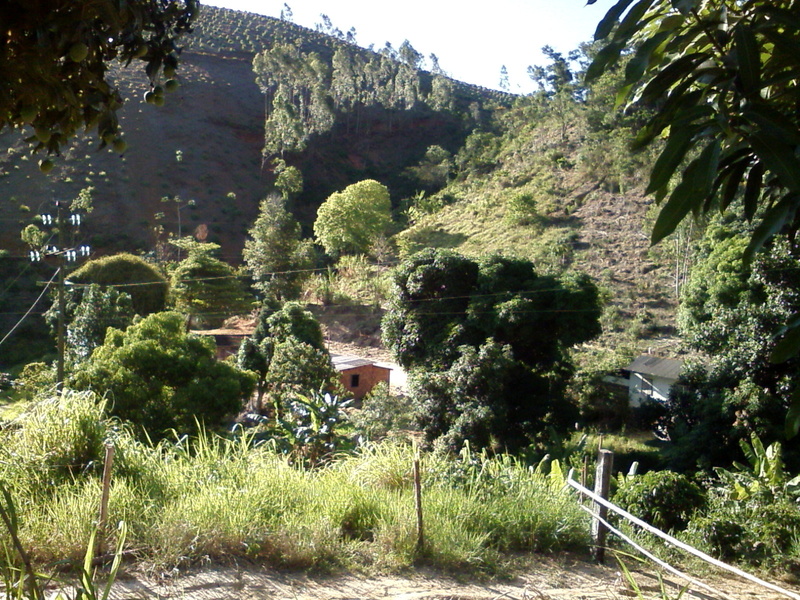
(359,375)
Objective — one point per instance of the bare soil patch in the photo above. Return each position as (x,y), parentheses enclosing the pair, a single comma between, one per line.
(546,579)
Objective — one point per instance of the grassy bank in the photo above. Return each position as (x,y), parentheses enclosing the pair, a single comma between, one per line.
(224,499)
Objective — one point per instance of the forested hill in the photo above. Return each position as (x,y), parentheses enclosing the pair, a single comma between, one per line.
(207,142)
(546,177)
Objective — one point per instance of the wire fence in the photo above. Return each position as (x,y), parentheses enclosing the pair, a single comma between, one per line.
(600,524)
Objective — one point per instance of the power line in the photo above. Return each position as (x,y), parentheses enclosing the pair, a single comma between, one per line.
(30,310)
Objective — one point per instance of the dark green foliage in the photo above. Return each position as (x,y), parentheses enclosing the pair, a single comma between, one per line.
(56,57)
(423,326)
(128,273)
(486,340)
(746,75)
(722,80)
(287,353)
(382,414)
(313,427)
(160,378)
(445,300)
(664,499)
(752,513)
(732,315)
(276,257)
(292,320)
(206,289)
(297,368)
(97,310)
(487,398)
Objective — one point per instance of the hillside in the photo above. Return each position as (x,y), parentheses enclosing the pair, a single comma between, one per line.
(216,121)
(534,179)
(565,194)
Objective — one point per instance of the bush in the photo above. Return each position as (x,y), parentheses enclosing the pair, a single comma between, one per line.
(664,499)
(159,377)
(382,413)
(747,531)
(144,282)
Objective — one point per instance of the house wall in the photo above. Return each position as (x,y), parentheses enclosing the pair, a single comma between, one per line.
(368,377)
(643,387)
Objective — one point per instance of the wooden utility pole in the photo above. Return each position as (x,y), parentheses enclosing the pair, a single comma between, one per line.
(418,503)
(101,524)
(62,301)
(602,480)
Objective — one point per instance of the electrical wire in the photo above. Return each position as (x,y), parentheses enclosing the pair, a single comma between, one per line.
(30,310)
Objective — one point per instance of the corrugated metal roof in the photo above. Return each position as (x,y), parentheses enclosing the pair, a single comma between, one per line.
(343,362)
(647,364)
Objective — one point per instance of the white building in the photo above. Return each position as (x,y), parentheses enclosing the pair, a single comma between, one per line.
(651,378)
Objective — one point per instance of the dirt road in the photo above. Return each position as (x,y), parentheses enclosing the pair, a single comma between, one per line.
(546,579)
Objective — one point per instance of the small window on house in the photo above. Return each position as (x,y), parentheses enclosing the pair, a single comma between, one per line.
(354,380)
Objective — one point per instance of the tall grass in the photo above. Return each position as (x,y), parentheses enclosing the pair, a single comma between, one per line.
(215,498)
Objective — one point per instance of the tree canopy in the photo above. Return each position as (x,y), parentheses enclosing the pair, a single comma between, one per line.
(128,273)
(722,79)
(160,377)
(486,343)
(207,289)
(445,300)
(288,355)
(278,260)
(55,56)
(352,220)
(730,315)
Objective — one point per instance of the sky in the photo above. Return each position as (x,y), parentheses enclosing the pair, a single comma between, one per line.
(472,40)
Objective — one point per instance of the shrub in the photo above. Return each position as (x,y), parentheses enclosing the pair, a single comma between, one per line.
(382,413)
(664,499)
(131,274)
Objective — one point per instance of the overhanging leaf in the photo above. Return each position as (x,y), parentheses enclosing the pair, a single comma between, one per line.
(610,19)
(631,21)
(607,55)
(681,68)
(752,191)
(684,6)
(639,63)
(787,347)
(732,176)
(690,192)
(792,425)
(748,55)
(779,158)
(678,144)
(774,219)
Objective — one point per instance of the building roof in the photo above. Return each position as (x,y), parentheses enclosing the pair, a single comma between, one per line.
(647,364)
(344,362)
(231,332)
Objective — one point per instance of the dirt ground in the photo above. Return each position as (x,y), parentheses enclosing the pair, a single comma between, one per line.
(546,579)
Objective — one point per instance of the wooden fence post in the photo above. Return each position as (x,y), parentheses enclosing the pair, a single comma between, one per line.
(418,503)
(602,480)
(101,524)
